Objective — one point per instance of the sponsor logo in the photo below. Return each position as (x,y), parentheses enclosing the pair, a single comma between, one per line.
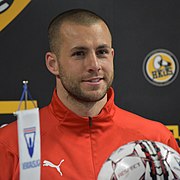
(31,164)
(9,107)
(5,5)
(9,9)
(125,172)
(29,135)
(160,67)
(50,164)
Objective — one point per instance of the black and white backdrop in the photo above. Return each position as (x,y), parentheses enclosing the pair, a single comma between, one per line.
(138,27)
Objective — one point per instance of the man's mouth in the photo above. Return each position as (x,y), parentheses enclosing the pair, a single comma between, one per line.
(93,81)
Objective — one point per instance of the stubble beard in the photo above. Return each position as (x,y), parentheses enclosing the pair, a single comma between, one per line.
(75,91)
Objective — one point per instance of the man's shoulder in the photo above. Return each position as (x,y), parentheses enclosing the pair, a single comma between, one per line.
(9,129)
(138,121)
(144,127)
(8,136)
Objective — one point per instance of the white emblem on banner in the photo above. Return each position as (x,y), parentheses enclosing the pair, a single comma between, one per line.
(29,143)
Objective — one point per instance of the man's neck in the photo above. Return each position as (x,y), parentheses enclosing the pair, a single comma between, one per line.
(82,108)
(85,109)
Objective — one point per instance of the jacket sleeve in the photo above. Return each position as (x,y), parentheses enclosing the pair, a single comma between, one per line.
(173,143)
(8,164)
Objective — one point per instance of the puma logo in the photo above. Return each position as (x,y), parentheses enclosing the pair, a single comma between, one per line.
(48,163)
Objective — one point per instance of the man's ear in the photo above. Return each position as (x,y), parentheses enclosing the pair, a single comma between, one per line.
(51,63)
(112,52)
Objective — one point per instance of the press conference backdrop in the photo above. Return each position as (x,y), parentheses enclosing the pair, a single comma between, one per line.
(146,39)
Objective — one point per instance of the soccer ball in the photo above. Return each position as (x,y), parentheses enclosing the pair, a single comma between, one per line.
(142,160)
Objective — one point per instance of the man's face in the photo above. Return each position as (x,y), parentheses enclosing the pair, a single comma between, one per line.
(85,61)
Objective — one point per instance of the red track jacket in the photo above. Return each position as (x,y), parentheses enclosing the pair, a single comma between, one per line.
(80,144)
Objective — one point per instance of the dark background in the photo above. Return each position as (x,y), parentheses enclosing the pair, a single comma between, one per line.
(138,27)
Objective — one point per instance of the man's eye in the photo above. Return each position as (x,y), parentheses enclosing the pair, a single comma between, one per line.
(78,53)
(102,52)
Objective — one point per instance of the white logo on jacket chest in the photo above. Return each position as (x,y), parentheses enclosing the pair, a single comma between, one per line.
(50,164)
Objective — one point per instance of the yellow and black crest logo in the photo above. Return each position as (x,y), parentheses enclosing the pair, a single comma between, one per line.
(160,67)
(9,9)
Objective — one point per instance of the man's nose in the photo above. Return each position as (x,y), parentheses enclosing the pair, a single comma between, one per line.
(93,63)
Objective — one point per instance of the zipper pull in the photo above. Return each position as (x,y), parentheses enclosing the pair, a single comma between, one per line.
(90,121)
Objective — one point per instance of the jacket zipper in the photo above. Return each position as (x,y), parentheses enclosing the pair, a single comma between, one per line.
(90,126)
(90,121)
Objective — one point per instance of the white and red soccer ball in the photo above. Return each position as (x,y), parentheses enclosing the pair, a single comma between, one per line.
(142,160)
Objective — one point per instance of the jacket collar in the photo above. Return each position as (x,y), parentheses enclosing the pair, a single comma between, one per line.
(66,116)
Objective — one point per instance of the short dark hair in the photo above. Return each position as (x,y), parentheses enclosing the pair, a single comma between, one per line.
(78,16)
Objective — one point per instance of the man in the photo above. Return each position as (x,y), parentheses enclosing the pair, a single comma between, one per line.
(82,126)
